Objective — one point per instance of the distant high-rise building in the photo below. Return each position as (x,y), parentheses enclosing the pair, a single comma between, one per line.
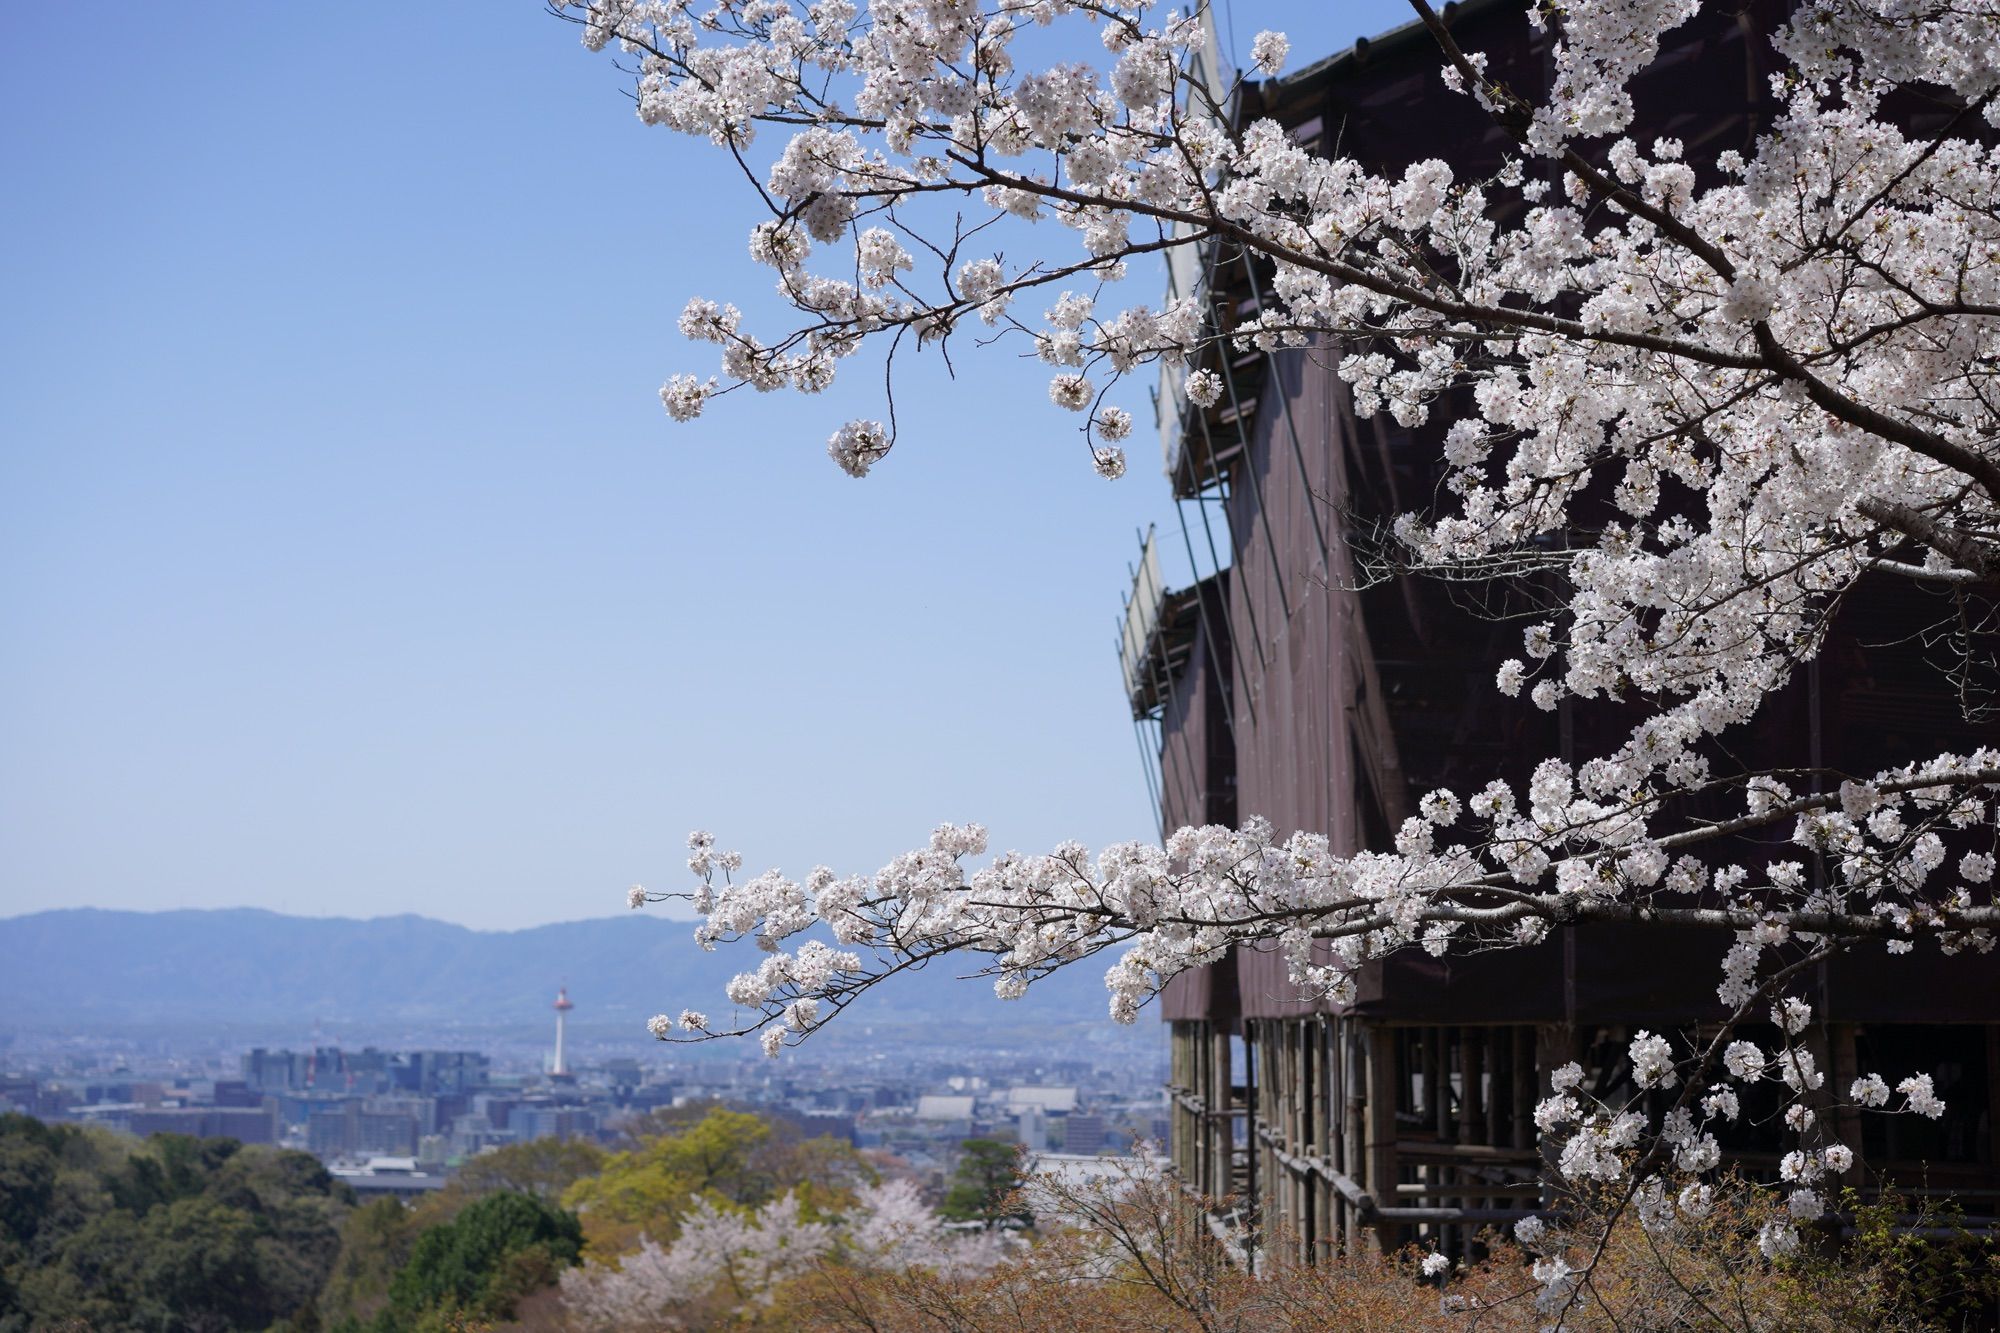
(349,1128)
(1031,1126)
(1083,1133)
(440,1072)
(562,1006)
(244,1124)
(552,1122)
(329,1132)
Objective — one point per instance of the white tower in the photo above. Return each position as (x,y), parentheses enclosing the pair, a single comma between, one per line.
(563,1005)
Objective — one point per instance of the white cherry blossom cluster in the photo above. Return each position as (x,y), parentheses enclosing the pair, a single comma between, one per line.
(751,1253)
(744,1257)
(1547,856)
(1763,381)
(888,110)
(1630,1138)
(1695,402)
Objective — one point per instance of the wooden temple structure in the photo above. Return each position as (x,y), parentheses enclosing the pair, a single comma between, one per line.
(1295,680)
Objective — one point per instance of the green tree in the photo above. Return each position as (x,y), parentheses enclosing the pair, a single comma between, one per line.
(482,1261)
(988,1172)
(198,1268)
(298,1208)
(378,1237)
(92,1279)
(174,1166)
(544,1168)
(27,1187)
(375,1242)
(636,1131)
(173,1233)
(730,1158)
(51,1183)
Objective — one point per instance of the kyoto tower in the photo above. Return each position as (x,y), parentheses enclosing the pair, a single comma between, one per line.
(562,1006)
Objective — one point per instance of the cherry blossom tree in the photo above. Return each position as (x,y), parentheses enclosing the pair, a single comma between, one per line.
(721,1255)
(1778,362)
(725,1259)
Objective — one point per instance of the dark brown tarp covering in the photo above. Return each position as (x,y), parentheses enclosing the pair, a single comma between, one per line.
(1517,986)
(1588,974)
(1869,986)
(1204,993)
(1645,975)
(1197,753)
(1350,695)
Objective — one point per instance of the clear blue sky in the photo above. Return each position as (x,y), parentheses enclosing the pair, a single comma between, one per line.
(349,566)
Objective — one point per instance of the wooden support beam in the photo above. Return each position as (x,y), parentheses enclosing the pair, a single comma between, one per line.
(1555,1045)
(1992,1097)
(1471,1076)
(1522,1120)
(1383,1074)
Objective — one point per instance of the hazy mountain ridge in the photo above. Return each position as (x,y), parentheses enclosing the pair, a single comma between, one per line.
(93,967)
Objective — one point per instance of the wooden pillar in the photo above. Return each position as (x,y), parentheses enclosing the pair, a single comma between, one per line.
(1471,1044)
(1841,1062)
(1992,1096)
(1305,1070)
(1253,1183)
(1197,1054)
(1305,1189)
(1332,1120)
(1177,1083)
(1220,1126)
(1352,1157)
(1555,1046)
(1471,1072)
(1522,1076)
(1205,1059)
(1383,1075)
(1436,1106)
(1282,1094)
(1437,1073)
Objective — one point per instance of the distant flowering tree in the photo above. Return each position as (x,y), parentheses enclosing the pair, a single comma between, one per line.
(721,1256)
(726,1259)
(1782,364)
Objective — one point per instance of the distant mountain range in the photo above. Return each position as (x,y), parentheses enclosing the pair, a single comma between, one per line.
(243,969)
